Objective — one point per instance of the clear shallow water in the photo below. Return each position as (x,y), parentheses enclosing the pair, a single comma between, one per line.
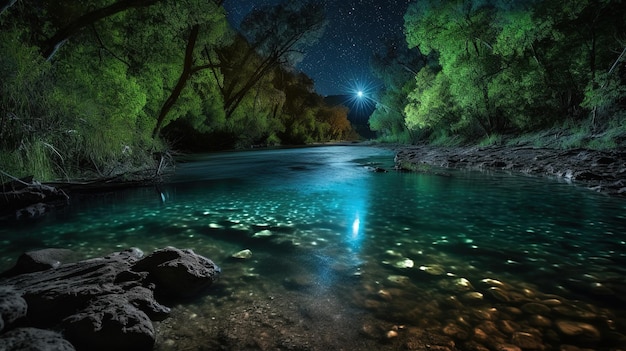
(345,257)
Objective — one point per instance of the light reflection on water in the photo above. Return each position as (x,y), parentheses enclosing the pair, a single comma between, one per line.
(458,253)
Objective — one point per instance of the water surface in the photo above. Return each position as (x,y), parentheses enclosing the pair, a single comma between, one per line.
(345,258)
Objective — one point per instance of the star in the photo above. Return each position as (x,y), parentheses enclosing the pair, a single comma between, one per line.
(356,30)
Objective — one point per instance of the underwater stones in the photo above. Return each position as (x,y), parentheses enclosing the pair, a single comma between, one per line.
(539,321)
(498,294)
(578,329)
(391,334)
(535,308)
(263,234)
(405,263)
(455,331)
(472,296)
(508,327)
(527,341)
(242,255)
(384,295)
(399,279)
(433,269)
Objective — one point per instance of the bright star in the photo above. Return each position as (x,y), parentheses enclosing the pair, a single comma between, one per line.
(361,92)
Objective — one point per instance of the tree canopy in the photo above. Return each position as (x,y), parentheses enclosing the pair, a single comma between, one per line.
(91,87)
(510,66)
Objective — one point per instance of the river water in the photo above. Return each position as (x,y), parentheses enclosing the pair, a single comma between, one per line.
(344,258)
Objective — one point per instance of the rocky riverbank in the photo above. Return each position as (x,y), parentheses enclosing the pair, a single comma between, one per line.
(105,303)
(601,171)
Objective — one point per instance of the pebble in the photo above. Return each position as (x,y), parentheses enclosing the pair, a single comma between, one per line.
(243,254)
(498,294)
(385,295)
(399,279)
(535,308)
(572,328)
(539,321)
(405,263)
(391,334)
(433,269)
(263,233)
(527,341)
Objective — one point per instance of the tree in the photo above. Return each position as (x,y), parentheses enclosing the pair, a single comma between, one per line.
(277,36)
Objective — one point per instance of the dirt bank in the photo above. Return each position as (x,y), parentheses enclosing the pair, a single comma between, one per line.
(601,171)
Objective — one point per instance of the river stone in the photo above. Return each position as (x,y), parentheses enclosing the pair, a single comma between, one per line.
(578,329)
(434,269)
(178,273)
(33,339)
(110,322)
(243,254)
(12,306)
(498,294)
(39,260)
(539,321)
(535,308)
(527,341)
(405,263)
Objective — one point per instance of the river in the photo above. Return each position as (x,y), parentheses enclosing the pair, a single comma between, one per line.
(344,258)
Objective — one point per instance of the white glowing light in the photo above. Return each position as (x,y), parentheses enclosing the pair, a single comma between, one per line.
(355,227)
(359,94)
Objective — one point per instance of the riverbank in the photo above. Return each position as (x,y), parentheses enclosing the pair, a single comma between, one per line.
(601,171)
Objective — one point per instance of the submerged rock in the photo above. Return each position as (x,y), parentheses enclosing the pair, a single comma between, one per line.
(243,254)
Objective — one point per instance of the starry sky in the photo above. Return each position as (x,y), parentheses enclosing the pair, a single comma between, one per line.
(339,62)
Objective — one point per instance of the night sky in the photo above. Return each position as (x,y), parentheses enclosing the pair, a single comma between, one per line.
(339,62)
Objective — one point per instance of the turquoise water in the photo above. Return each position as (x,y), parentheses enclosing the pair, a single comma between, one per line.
(346,258)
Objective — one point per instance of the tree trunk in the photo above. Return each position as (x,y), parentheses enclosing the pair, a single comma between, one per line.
(62,35)
(182,80)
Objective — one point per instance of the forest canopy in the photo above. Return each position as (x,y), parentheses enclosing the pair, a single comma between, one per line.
(481,68)
(98,87)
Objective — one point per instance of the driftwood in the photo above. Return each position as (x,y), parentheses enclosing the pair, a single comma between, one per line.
(28,198)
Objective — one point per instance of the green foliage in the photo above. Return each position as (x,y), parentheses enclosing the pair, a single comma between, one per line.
(514,66)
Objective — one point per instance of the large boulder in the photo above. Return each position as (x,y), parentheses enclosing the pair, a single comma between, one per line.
(105,303)
(178,273)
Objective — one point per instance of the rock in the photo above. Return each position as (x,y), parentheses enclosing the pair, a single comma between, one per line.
(527,341)
(178,273)
(102,303)
(242,255)
(578,329)
(433,269)
(391,334)
(33,339)
(405,263)
(110,322)
(12,306)
(40,260)
(535,308)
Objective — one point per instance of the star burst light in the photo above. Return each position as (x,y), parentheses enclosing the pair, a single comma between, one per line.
(360,94)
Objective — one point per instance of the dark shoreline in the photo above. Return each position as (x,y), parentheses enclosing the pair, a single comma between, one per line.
(600,171)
